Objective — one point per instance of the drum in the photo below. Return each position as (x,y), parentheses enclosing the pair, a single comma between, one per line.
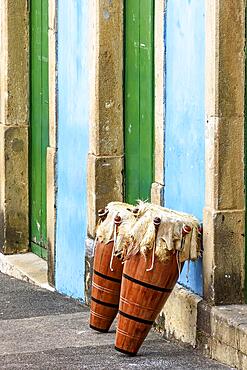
(147,283)
(107,268)
(143,295)
(105,288)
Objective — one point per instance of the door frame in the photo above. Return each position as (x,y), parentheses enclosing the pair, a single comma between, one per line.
(224,212)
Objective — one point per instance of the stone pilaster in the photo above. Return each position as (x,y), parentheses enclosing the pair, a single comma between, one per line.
(105,161)
(106,151)
(14,117)
(223,260)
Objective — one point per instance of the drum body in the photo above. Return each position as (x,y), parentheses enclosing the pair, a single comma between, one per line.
(105,288)
(143,295)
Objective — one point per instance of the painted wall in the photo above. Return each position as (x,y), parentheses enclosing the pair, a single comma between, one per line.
(184,107)
(73,117)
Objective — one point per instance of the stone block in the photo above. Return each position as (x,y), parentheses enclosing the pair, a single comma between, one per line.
(180,323)
(242,361)
(14,189)
(15,63)
(224,160)
(242,335)
(105,184)
(225,57)
(229,326)
(231,164)
(106,132)
(224,353)
(157,194)
(231,57)
(3,60)
(223,261)
(223,331)
(204,318)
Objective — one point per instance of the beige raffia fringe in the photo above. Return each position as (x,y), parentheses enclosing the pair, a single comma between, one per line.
(169,238)
(136,233)
(105,230)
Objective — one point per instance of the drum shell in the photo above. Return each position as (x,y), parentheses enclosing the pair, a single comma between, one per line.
(143,295)
(105,288)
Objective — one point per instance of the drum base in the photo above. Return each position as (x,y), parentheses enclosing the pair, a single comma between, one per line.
(132,354)
(99,329)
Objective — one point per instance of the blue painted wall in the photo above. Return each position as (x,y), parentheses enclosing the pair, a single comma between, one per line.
(73,117)
(184,106)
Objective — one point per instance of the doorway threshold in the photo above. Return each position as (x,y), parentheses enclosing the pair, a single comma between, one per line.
(27,267)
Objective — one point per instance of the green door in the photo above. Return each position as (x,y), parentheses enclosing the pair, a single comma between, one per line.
(39,124)
(139,98)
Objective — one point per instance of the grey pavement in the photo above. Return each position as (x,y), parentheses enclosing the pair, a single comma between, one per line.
(44,330)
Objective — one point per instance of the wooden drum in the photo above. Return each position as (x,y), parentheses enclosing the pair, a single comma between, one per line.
(107,269)
(147,282)
(143,295)
(105,288)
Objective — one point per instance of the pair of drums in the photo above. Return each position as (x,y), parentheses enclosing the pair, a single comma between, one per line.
(129,289)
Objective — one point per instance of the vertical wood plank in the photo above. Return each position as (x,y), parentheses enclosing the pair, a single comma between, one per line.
(39,122)
(146,96)
(139,98)
(132,85)
(44,118)
(35,128)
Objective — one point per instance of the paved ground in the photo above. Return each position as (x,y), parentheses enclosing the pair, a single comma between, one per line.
(44,330)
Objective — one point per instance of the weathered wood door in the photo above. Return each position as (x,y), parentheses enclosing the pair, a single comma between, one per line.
(39,124)
(139,98)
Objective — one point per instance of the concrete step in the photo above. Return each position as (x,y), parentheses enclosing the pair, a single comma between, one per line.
(27,267)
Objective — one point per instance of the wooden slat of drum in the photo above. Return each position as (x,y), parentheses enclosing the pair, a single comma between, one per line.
(105,288)
(130,335)
(102,261)
(143,296)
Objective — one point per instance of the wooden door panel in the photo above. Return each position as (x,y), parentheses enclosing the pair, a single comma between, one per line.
(139,98)
(39,122)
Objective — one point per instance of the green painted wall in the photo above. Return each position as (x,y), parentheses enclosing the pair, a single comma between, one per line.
(139,98)
(39,123)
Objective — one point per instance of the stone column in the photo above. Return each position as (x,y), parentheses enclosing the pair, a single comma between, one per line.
(106,149)
(14,117)
(105,159)
(223,260)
